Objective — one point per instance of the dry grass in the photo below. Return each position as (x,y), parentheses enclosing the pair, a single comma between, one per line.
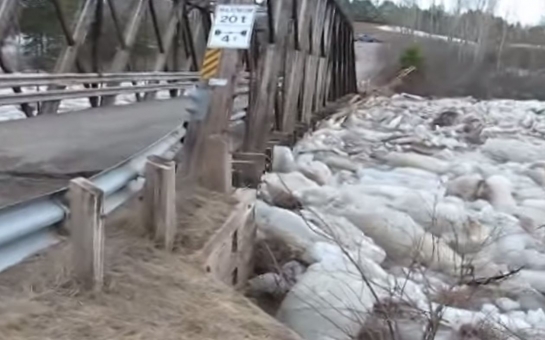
(270,255)
(200,216)
(149,294)
(466,297)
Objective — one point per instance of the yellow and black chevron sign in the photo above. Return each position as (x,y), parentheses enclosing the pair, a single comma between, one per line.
(211,63)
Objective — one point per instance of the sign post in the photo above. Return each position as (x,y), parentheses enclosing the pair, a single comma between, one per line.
(210,157)
(233,26)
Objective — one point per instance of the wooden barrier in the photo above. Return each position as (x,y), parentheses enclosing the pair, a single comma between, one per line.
(228,254)
(86,225)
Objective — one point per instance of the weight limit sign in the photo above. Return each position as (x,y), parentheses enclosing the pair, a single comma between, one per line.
(232,28)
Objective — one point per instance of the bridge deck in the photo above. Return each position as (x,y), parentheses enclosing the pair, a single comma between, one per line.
(32,150)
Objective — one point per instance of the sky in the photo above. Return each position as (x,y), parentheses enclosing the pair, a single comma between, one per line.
(527,12)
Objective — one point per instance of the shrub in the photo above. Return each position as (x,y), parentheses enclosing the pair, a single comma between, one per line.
(412,57)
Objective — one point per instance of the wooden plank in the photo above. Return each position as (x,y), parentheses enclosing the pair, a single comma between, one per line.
(190,54)
(325,68)
(160,201)
(352,63)
(64,23)
(304,14)
(230,250)
(86,225)
(122,55)
(167,40)
(281,11)
(168,37)
(155,24)
(336,53)
(303,24)
(67,58)
(318,26)
(116,22)
(320,84)
(311,70)
(260,118)
(328,29)
(261,114)
(316,8)
(199,34)
(328,81)
(346,60)
(292,89)
(7,13)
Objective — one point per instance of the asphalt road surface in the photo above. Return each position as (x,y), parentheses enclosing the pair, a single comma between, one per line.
(39,155)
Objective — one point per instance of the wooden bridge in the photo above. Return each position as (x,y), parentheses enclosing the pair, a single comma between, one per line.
(301,57)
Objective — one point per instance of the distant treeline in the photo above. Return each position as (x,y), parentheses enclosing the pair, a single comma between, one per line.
(462,22)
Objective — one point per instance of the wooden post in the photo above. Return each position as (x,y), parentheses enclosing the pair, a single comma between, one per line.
(160,201)
(212,155)
(214,164)
(86,225)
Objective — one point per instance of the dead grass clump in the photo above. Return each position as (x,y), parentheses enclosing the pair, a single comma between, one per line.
(482,331)
(404,320)
(149,294)
(271,254)
(200,216)
(465,297)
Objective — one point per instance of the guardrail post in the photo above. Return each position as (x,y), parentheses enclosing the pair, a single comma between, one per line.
(160,201)
(86,225)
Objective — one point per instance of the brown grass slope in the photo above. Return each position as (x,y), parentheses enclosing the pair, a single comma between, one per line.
(149,294)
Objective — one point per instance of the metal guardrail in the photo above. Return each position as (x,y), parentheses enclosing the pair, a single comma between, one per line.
(65,79)
(175,81)
(23,98)
(25,227)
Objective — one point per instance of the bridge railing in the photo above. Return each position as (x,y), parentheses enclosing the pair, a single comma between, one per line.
(177,32)
(67,79)
(32,87)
